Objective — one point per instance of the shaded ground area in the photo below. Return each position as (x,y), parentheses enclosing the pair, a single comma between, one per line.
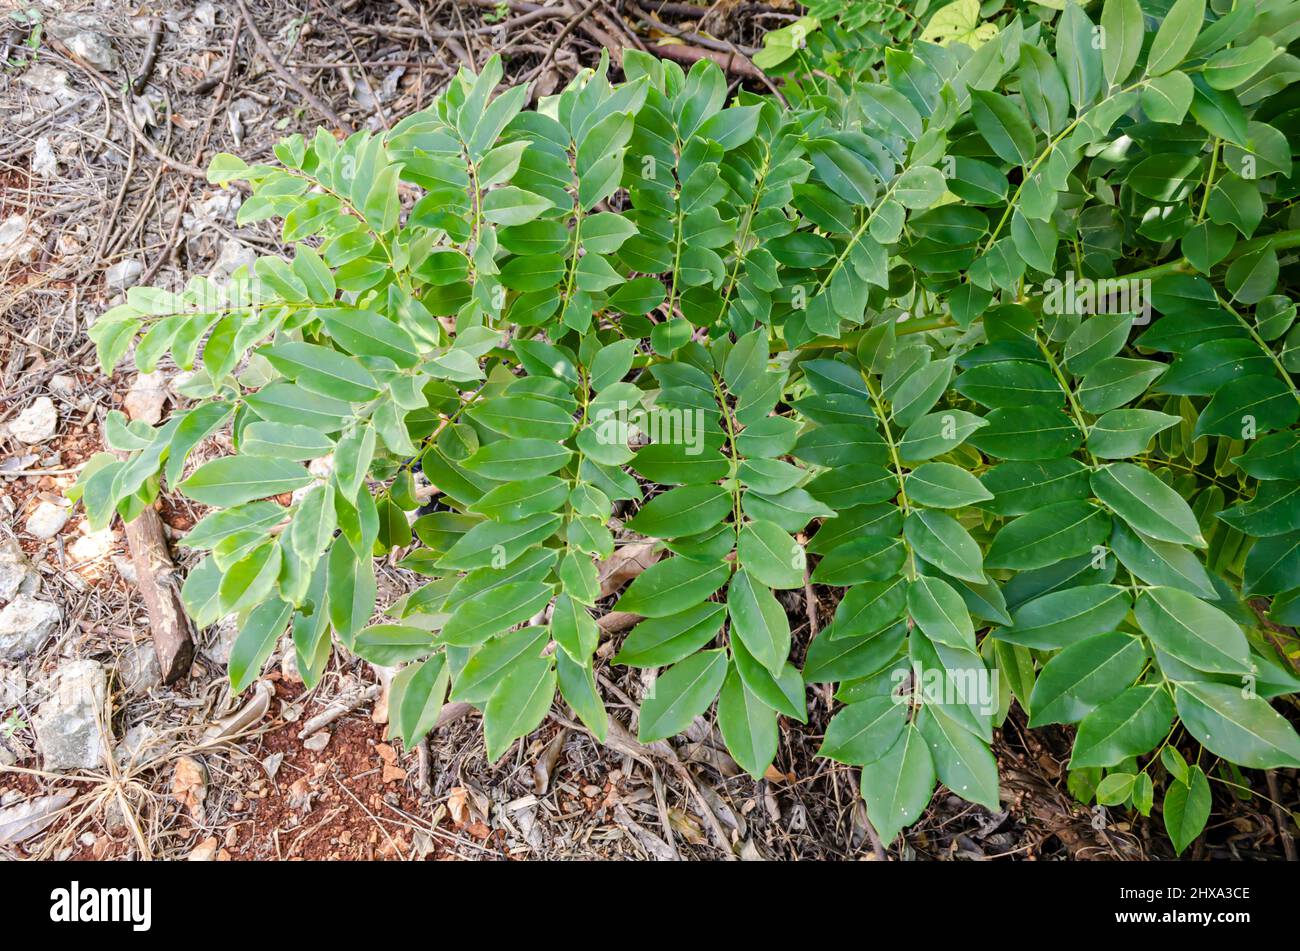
(110,117)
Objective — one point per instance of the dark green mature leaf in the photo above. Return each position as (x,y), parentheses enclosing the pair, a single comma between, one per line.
(1060,618)
(1196,633)
(1248,405)
(964,764)
(864,732)
(1028,433)
(415,699)
(898,786)
(323,371)
(835,655)
(1160,563)
(1187,807)
(758,619)
(1122,22)
(1129,725)
(686,511)
(943,542)
(942,485)
(1085,675)
(479,676)
(869,558)
(1177,33)
(370,334)
(578,687)
(749,726)
(1243,729)
(1049,535)
(768,553)
(476,620)
(939,611)
(1146,504)
(665,640)
(518,459)
(1121,433)
(255,642)
(1003,126)
(667,586)
(1273,565)
(517,706)
(680,694)
(387,644)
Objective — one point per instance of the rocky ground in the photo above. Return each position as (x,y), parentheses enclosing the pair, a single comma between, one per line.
(110,113)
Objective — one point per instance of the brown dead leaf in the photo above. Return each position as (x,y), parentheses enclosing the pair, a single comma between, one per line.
(686,827)
(25,819)
(458,806)
(190,786)
(545,765)
(626,563)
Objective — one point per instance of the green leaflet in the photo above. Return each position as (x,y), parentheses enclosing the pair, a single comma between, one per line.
(386,644)
(232,480)
(666,585)
(517,706)
(1085,675)
(864,732)
(488,664)
(475,621)
(749,726)
(1192,631)
(1128,725)
(962,762)
(1245,730)
(1187,807)
(1059,618)
(898,786)
(681,694)
(1049,535)
(1146,504)
(657,642)
(1176,35)
(943,542)
(685,511)
(939,611)
(255,642)
(771,555)
(415,699)
(759,621)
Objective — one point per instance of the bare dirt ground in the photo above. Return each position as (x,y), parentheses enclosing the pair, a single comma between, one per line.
(109,114)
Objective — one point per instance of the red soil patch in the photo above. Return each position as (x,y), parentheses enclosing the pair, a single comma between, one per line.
(343,802)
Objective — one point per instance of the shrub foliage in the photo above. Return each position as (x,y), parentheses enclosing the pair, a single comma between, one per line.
(993,343)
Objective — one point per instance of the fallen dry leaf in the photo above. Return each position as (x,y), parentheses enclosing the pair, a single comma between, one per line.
(458,806)
(25,819)
(190,786)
